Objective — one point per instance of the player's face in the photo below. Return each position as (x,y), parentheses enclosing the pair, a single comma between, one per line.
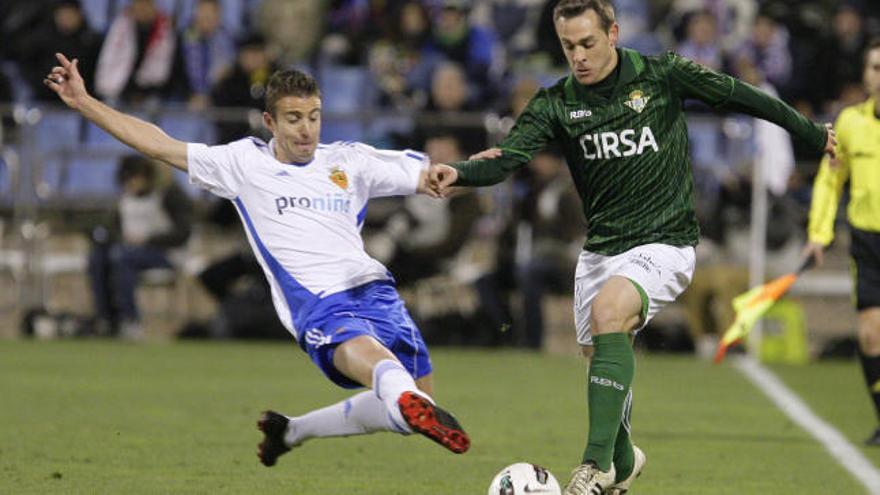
(590,51)
(872,72)
(296,127)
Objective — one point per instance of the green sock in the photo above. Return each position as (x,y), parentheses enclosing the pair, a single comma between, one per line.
(610,376)
(624,459)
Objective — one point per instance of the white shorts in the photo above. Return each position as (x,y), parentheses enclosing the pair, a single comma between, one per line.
(662,271)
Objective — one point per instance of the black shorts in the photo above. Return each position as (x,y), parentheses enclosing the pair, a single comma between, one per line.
(865,251)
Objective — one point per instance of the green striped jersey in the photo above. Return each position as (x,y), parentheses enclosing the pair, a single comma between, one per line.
(628,153)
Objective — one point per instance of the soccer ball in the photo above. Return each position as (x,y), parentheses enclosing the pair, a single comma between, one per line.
(522,478)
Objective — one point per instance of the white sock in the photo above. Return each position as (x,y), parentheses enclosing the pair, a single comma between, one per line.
(390,379)
(361,414)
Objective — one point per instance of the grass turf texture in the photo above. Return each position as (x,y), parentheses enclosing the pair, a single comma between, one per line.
(106,417)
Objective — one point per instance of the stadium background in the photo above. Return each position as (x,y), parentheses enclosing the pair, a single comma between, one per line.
(450,76)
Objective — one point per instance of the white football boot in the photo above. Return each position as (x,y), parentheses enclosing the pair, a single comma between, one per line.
(588,479)
(639,461)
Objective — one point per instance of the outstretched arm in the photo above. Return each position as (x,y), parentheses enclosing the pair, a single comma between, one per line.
(692,80)
(533,129)
(66,81)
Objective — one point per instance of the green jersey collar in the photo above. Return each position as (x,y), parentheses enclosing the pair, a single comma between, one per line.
(631,65)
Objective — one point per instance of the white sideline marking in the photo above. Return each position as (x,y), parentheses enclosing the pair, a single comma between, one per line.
(788,402)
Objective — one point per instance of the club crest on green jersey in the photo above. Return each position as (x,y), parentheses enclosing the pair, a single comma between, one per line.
(637,101)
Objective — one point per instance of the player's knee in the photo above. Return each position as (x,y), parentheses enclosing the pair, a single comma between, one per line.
(608,317)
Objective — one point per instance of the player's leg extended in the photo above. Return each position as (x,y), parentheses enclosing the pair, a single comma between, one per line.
(360,414)
(405,401)
(869,355)
(640,282)
(624,454)
(615,312)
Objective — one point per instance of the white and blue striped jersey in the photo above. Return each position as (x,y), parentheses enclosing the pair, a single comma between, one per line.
(303,220)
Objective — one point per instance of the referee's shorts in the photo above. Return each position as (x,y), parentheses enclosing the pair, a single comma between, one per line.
(865,251)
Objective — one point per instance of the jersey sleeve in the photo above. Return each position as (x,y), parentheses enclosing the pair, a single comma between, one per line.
(388,172)
(828,187)
(532,131)
(217,169)
(692,80)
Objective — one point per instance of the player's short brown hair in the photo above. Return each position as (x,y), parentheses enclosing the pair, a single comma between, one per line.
(289,83)
(574,8)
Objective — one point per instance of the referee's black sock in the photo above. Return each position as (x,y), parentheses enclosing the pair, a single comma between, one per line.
(871,369)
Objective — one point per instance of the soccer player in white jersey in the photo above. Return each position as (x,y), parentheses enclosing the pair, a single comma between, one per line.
(302,204)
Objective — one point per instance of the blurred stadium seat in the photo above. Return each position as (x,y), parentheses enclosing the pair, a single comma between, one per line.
(91,176)
(344,90)
(73,176)
(59,128)
(334,129)
(189,127)
(5,183)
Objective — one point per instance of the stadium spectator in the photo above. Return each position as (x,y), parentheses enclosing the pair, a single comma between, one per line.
(549,233)
(140,59)
(473,47)
(150,221)
(18,20)
(497,286)
(768,50)
(773,153)
(243,87)
(807,25)
(448,105)
(733,18)
(841,58)
(856,162)
(292,29)
(339,303)
(401,62)
(208,52)
(354,25)
(66,29)
(513,21)
(639,255)
(536,251)
(548,42)
(701,42)
(425,235)
(237,284)
(638,18)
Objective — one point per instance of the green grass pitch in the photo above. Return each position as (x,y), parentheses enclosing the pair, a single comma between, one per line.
(106,417)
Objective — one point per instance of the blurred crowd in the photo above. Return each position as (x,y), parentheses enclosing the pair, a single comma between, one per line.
(457,72)
(192,50)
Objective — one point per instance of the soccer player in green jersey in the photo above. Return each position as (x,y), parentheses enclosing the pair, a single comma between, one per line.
(619,119)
